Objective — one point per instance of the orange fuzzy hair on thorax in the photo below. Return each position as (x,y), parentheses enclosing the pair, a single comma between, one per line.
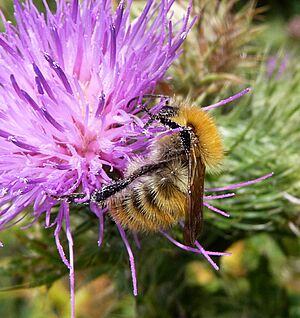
(209,146)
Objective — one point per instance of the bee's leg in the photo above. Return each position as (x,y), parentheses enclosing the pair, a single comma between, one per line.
(185,136)
(185,133)
(71,198)
(151,96)
(166,112)
(164,116)
(100,195)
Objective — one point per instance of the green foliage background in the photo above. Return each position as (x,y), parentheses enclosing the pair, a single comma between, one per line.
(261,134)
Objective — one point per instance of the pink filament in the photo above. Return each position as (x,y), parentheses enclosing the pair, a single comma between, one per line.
(131,259)
(198,250)
(211,207)
(71,261)
(64,215)
(227,100)
(137,240)
(100,215)
(59,221)
(220,196)
(240,185)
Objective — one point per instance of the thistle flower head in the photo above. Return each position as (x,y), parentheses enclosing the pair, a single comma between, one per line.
(66,79)
(276,65)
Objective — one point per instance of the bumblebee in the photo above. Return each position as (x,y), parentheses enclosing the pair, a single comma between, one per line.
(167,186)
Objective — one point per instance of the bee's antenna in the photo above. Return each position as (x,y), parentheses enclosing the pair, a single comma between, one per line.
(150,96)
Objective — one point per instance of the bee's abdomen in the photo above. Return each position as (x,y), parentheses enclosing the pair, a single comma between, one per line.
(151,204)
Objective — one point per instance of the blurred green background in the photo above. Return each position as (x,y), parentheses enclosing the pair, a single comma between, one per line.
(234,45)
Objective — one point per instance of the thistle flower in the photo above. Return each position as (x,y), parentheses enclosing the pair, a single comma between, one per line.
(276,65)
(66,79)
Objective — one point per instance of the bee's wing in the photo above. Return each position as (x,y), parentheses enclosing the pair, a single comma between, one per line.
(194,212)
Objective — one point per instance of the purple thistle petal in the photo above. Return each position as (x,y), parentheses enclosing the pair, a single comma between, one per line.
(211,207)
(141,19)
(176,46)
(60,73)
(75,10)
(239,185)
(24,227)
(58,45)
(276,65)
(43,81)
(101,104)
(219,253)
(14,211)
(13,223)
(59,222)
(63,167)
(39,85)
(15,141)
(23,145)
(8,49)
(220,196)
(42,111)
(16,86)
(119,16)
(198,250)
(206,255)
(137,240)
(30,101)
(131,259)
(52,120)
(79,55)
(100,214)
(180,245)
(227,100)
(71,257)
(4,134)
(170,34)
(113,46)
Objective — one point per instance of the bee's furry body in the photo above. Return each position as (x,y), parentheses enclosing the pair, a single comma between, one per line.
(157,199)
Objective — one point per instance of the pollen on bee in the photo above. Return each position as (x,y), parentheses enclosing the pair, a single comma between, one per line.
(210,147)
